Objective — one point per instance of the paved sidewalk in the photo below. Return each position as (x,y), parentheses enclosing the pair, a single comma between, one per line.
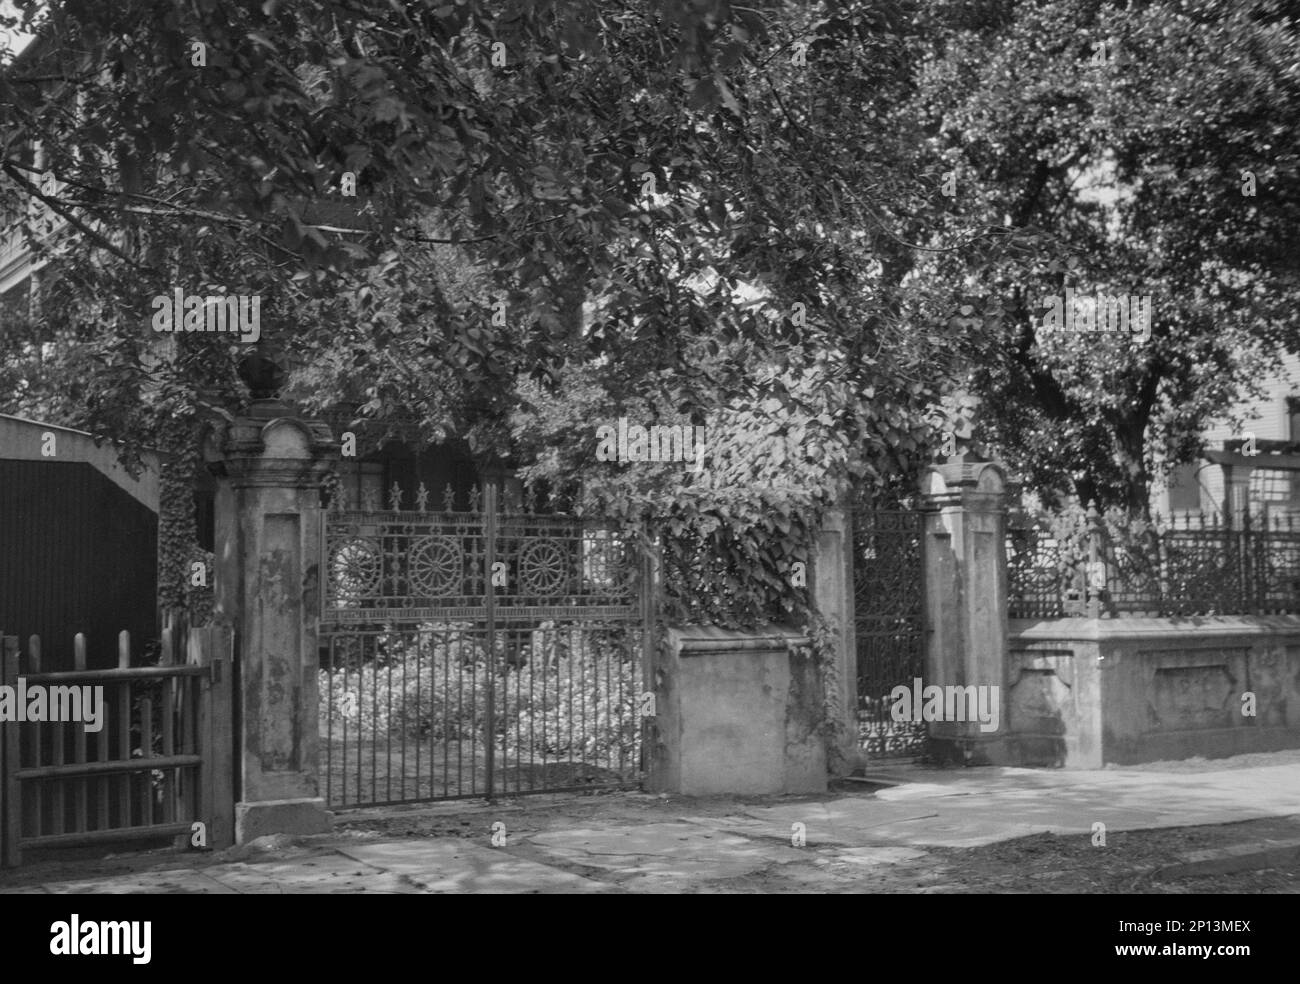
(866,836)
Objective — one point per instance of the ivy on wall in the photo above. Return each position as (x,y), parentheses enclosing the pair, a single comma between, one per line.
(744,561)
(178,548)
(735,538)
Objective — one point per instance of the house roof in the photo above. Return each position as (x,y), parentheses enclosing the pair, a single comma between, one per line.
(23,440)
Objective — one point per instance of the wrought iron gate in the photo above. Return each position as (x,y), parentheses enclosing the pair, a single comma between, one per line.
(888,620)
(477,653)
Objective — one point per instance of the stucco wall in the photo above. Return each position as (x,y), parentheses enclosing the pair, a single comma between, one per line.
(737,713)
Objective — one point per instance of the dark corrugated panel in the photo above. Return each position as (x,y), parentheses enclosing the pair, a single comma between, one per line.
(77,554)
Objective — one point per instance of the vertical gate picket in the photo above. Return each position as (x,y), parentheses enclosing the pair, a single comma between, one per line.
(13,817)
(213,728)
(79,739)
(123,791)
(118,789)
(32,814)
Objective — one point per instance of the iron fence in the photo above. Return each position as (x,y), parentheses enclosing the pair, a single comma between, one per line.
(471,653)
(1077,563)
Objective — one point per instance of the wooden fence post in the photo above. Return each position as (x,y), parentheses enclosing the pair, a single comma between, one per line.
(13,818)
(79,742)
(31,803)
(213,646)
(122,784)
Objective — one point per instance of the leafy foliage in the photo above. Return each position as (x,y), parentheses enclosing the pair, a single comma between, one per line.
(1123,136)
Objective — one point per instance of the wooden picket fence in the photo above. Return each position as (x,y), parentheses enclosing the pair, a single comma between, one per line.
(162,760)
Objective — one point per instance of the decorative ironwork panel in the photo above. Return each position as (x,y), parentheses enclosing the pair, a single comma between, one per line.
(1035,581)
(402,565)
(1278,569)
(414,566)
(889,625)
(561,564)
(1180,572)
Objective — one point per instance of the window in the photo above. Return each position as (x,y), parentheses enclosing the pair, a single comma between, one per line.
(1184,489)
(1269,485)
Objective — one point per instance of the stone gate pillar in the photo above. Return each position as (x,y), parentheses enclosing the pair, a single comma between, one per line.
(831,585)
(966,608)
(269,466)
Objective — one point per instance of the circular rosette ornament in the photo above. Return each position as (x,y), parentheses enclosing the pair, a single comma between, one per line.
(543,568)
(436,567)
(354,570)
(604,564)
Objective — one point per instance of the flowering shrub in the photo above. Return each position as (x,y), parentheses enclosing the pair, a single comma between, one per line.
(429,683)
(575,699)
(567,692)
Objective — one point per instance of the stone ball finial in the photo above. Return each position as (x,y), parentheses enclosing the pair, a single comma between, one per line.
(263,375)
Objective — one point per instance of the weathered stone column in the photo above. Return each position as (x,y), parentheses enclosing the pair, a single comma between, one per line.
(966,606)
(831,587)
(269,466)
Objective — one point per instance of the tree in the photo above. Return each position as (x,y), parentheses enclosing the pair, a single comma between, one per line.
(619,156)
(1132,137)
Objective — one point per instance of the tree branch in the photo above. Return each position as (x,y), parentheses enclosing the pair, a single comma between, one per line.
(57,206)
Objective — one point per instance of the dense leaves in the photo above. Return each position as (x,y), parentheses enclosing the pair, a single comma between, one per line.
(803,227)
(1156,148)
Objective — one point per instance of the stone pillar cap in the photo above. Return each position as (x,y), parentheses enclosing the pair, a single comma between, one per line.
(964,472)
(269,429)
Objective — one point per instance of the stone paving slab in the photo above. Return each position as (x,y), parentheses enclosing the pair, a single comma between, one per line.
(877,855)
(440,866)
(661,856)
(180,881)
(1273,790)
(708,853)
(328,874)
(972,807)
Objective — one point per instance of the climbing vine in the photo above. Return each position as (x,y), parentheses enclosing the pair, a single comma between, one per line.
(178,548)
(735,536)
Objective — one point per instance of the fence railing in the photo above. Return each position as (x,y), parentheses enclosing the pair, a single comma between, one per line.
(1095,565)
(152,757)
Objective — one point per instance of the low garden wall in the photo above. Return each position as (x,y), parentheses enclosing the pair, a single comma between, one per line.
(738,713)
(1083,692)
